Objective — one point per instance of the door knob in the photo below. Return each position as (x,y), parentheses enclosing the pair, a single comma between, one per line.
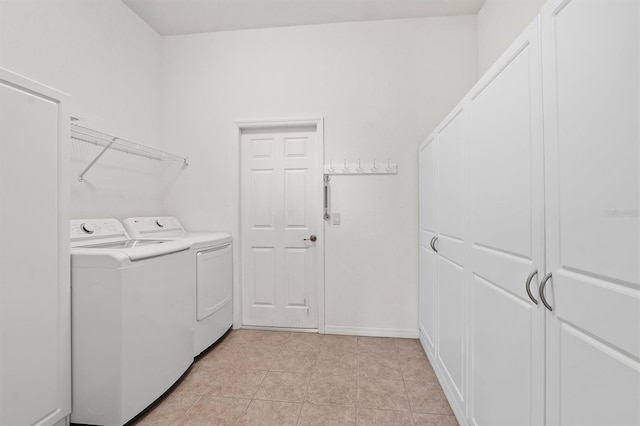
(311,238)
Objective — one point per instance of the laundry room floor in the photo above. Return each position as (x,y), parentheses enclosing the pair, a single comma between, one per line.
(282,378)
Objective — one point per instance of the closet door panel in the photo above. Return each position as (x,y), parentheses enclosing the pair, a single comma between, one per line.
(451,188)
(592,133)
(452,226)
(506,327)
(428,274)
(451,324)
(502,356)
(427,299)
(595,74)
(35,331)
(502,144)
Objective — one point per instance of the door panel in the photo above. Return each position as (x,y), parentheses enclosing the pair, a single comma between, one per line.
(451,189)
(592,98)
(261,277)
(281,206)
(614,383)
(500,355)
(35,345)
(451,232)
(261,192)
(427,258)
(427,298)
(501,125)
(451,323)
(507,358)
(295,199)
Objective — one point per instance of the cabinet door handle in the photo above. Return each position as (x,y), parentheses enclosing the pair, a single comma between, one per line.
(528,286)
(433,244)
(542,286)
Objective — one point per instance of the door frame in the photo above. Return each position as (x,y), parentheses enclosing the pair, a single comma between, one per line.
(271,124)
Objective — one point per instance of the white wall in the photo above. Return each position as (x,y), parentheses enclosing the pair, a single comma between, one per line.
(107,59)
(499,23)
(381,87)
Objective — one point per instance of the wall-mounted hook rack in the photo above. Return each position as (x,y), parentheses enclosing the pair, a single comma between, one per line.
(361,168)
(108,142)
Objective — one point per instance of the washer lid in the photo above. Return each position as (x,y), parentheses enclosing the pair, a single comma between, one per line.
(131,249)
(125,244)
(107,237)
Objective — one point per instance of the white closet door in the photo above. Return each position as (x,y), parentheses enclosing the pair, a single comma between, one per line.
(452,221)
(35,331)
(428,273)
(592,197)
(506,327)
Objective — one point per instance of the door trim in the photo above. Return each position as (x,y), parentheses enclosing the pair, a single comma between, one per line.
(270,124)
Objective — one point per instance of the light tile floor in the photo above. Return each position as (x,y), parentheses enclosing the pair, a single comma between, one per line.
(281,378)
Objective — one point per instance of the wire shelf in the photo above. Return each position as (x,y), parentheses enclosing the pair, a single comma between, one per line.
(115,143)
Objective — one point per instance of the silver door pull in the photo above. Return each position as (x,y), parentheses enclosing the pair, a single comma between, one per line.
(527,286)
(311,238)
(434,240)
(542,285)
(327,216)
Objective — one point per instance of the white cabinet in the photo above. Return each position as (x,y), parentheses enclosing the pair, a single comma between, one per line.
(549,305)
(443,234)
(507,237)
(35,350)
(592,140)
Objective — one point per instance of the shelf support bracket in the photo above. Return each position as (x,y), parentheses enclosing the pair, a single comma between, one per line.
(81,176)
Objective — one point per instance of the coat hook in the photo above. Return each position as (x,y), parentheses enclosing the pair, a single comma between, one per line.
(331,167)
(360,169)
(374,169)
(389,168)
(345,168)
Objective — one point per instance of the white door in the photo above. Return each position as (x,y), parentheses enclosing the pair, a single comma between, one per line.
(35,312)
(282,226)
(428,274)
(507,239)
(592,196)
(450,245)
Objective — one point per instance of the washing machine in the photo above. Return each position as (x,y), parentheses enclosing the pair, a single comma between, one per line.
(132,327)
(211,259)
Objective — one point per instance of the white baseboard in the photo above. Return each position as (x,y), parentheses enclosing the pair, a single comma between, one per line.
(371,331)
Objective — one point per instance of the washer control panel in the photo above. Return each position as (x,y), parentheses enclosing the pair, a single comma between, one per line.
(96,229)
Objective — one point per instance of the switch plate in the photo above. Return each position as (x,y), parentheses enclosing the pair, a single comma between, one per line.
(335,218)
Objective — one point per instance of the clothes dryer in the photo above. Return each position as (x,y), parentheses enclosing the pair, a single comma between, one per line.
(132,327)
(212,262)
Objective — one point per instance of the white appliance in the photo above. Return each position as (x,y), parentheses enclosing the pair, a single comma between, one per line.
(132,327)
(213,264)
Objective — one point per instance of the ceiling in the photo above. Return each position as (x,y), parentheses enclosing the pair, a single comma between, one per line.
(174,17)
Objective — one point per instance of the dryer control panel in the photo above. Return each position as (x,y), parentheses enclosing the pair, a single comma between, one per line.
(84,230)
(155,226)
